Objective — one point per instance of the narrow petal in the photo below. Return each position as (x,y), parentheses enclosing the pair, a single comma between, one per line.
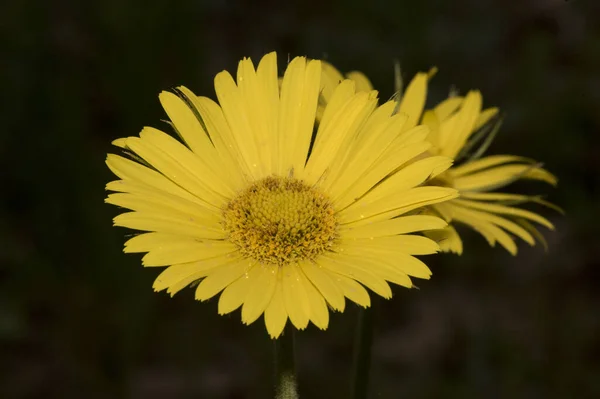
(491,232)
(447,238)
(447,107)
(373,138)
(170,224)
(485,163)
(386,267)
(352,268)
(131,171)
(506,224)
(407,243)
(177,277)
(400,225)
(295,297)
(213,121)
(220,132)
(186,251)
(362,82)
(178,170)
(147,241)
(365,211)
(299,94)
(233,106)
(457,129)
(505,210)
(485,116)
(319,314)
(351,289)
(261,293)
(276,314)
(413,100)
(220,278)
(392,256)
(492,178)
(325,284)
(330,79)
(158,202)
(351,189)
(410,176)
(191,131)
(267,78)
(234,294)
(330,136)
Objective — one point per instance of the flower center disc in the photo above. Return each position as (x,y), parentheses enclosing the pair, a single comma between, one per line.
(280,220)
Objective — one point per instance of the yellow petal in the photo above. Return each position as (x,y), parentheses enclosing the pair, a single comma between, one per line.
(400,225)
(216,127)
(178,168)
(501,222)
(371,141)
(131,171)
(355,188)
(340,129)
(447,107)
(119,142)
(365,211)
(491,232)
(170,224)
(266,75)
(326,286)
(362,82)
(409,244)
(409,177)
(505,210)
(413,100)
(152,201)
(186,251)
(191,130)
(352,268)
(295,297)
(383,266)
(234,294)
(457,133)
(261,293)
(330,79)
(447,238)
(319,314)
(147,241)
(299,94)
(220,278)
(351,289)
(221,135)
(485,116)
(177,277)
(499,176)
(276,314)
(485,163)
(233,106)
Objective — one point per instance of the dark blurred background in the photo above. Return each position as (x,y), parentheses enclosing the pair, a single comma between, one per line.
(79,319)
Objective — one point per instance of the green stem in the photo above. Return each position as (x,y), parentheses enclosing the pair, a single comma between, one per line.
(362,353)
(286,384)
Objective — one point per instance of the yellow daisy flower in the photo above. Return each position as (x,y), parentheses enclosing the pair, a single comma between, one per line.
(250,205)
(462,130)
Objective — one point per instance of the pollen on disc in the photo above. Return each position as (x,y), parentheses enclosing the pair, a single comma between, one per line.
(280,220)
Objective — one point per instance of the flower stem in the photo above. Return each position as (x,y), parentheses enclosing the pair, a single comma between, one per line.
(286,384)
(362,352)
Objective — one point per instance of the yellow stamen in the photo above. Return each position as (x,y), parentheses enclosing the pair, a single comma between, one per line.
(280,220)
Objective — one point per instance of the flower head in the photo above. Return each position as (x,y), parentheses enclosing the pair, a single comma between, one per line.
(280,218)
(462,130)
